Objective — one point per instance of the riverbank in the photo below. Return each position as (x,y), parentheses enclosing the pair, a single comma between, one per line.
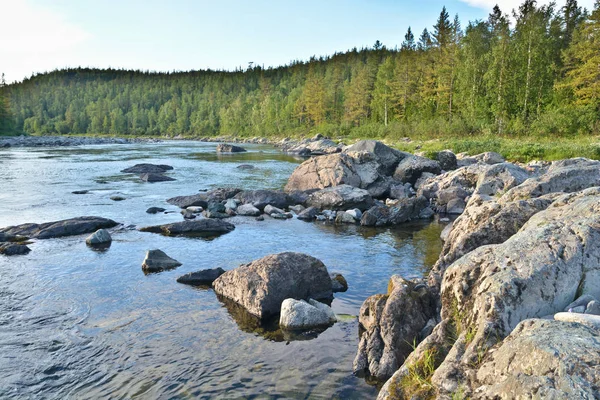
(519,148)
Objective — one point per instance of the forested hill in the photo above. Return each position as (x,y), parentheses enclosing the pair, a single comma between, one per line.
(536,72)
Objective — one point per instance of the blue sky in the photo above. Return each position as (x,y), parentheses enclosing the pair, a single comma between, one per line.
(41,35)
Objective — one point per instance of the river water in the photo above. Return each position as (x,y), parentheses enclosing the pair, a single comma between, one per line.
(78,323)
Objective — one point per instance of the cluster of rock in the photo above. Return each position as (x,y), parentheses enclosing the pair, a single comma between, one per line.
(150,172)
(59,141)
(315,146)
(510,308)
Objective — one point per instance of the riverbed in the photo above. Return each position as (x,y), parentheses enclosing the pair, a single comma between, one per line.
(88,324)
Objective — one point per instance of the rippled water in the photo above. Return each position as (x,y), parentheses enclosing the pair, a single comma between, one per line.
(80,323)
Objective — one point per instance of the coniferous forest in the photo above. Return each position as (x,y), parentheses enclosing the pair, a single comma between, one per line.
(534,72)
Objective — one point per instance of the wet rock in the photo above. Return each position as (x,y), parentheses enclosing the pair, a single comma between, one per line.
(204,277)
(100,237)
(340,198)
(261,198)
(188,214)
(269,209)
(309,214)
(409,170)
(297,208)
(200,227)
(80,192)
(447,160)
(157,261)
(13,249)
(117,198)
(67,227)
(355,213)
(343,217)
(229,148)
(248,210)
(194,209)
(188,201)
(231,204)
(262,285)
(392,324)
(401,191)
(338,282)
(405,210)
(147,169)
(155,210)
(5,237)
(298,314)
(154,177)
(260,218)
(245,166)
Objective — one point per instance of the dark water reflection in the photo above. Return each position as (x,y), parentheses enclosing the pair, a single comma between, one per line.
(81,323)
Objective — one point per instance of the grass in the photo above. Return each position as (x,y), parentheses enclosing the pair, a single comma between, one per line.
(417,383)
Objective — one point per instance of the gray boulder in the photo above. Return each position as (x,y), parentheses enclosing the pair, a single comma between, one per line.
(67,227)
(13,249)
(447,160)
(154,177)
(343,217)
(261,198)
(155,210)
(300,315)
(204,277)
(340,198)
(404,210)
(386,157)
(262,285)
(199,227)
(308,214)
(100,237)
(147,169)
(229,148)
(157,261)
(247,210)
(409,170)
(338,282)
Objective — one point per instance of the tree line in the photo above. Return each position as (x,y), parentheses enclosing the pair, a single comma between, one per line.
(534,73)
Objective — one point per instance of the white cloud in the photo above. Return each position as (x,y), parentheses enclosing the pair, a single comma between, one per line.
(508,5)
(34,39)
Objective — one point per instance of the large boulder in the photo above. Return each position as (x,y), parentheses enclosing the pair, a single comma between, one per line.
(392,324)
(409,170)
(404,210)
(447,160)
(99,238)
(313,147)
(499,178)
(229,148)
(203,199)
(340,197)
(198,227)
(147,169)
(300,315)
(386,157)
(157,261)
(261,198)
(67,227)
(262,285)
(247,210)
(14,249)
(543,359)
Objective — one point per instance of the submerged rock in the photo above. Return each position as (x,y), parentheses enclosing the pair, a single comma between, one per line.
(147,169)
(67,227)
(13,249)
(203,277)
(298,314)
(157,261)
(117,198)
(201,227)
(229,148)
(155,210)
(262,285)
(154,177)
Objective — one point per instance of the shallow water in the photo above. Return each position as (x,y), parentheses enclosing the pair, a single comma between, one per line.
(86,324)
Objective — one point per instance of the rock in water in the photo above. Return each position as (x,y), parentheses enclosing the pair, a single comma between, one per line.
(203,277)
(261,198)
(298,314)
(100,237)
(12,249)
(340,197)
(409,170)
(157,261)
(229,148)
(153,177)
(147,169)
(189,201)
(117,198)
(308,214)
(262,285)
(67,227)
(155,210)
(338,282)
(80,192)
(247,210)
(202,227)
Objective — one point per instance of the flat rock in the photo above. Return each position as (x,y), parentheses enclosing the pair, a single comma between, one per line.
(199,199)
(229,148)
(262,285)
(340,197)
(13,249)
(247,210)
(199,227)
(300,315)
(154,177)
(405,210)
(261,198)
(117,198)
(67,227)
(157,261)
(204,277)
(155,210)
(147,168)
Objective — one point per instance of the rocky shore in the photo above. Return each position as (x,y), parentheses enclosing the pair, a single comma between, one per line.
(60,141)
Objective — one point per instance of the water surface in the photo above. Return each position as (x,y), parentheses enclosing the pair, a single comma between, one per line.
(86,324)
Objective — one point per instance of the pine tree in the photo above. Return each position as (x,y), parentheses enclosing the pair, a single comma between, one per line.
(6,118)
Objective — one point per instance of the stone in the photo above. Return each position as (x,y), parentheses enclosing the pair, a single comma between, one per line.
(591,320)
(343,217)
(262,285)
(340,198)
(308,214)
(231,204)
(489,158)
(269,209)
(387,157)
(593,307)
(499,178)
(13,249)
(300,315)
(456,206)
(147,169)
(100,237)
(447,160)
(261,198)
(581,301)
(195,209)
(247,210)
(199,227)
(245,166)
(204,277)
(409,170)
(80,192)
(545,360)
(117,198)
(67,227)
(157,261)
(355,213)
(391,325)
(407,209)
(229,148)
(401,191)
(313,147)
(338,282)
(189,201)
(154,177)
(297,208)
(155,210)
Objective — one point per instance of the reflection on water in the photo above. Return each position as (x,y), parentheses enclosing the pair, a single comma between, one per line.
(81,323)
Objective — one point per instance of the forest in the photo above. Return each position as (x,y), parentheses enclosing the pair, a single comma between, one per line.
(533,72)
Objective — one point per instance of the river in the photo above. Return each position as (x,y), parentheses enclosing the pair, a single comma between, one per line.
(79,323)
